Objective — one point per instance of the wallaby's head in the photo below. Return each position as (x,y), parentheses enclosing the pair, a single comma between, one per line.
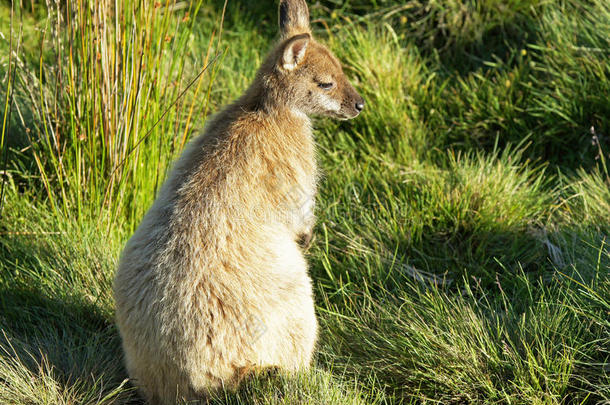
(305,75)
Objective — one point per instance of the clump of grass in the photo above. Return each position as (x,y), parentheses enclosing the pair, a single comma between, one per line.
(105,85)
(458,219)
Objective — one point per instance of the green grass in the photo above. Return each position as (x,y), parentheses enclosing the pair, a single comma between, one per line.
(461,253)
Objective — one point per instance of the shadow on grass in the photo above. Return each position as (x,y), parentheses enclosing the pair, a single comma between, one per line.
(63,346)
(58,343)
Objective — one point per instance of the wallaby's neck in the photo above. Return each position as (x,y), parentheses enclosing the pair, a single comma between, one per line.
(269,105)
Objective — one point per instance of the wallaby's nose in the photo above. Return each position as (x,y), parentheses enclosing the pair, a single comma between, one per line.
(359,105)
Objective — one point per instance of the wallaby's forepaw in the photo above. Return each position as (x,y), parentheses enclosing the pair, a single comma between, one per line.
(304,239)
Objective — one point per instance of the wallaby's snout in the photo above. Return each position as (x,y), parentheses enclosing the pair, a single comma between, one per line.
(354,103)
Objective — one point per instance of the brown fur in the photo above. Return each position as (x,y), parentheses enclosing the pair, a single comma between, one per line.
(213,283)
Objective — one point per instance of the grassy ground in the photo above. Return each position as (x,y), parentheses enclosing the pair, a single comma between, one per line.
(461,253)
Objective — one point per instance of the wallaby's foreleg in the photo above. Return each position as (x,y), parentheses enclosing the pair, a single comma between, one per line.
(305,234)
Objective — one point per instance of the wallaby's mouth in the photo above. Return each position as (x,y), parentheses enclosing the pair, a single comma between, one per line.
(352,111)
(343,116)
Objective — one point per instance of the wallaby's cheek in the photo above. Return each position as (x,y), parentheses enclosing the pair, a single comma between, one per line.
(329,104)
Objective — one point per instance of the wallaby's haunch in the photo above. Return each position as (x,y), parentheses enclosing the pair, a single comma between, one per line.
(213,284)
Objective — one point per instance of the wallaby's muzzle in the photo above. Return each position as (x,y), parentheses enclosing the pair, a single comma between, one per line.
(353,103)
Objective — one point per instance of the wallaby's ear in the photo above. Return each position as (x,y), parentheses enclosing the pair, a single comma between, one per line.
(294,18)
(294,51)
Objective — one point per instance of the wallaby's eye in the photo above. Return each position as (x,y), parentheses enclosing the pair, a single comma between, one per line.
(326,86)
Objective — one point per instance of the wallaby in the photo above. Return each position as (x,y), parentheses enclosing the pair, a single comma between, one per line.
(214,284)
